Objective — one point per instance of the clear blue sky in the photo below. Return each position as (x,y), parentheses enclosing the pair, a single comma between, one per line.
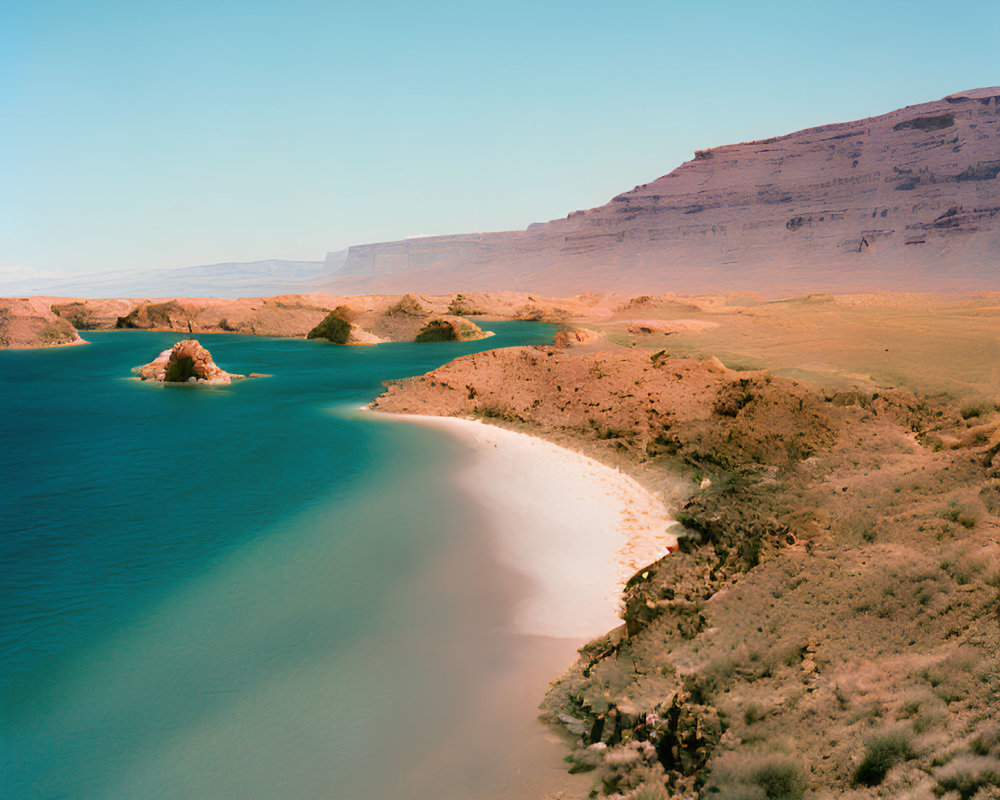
(146,134)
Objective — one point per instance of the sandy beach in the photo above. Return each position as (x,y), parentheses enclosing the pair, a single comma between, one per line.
(575,528)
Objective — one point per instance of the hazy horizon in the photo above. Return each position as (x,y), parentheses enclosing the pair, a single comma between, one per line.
(142,138)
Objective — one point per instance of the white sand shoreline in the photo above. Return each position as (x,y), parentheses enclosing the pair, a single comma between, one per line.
(575,528)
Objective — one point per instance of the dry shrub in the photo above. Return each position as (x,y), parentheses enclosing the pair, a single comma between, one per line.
(986,739)
(772,776)
(882,752)
(407,304)
(968,774)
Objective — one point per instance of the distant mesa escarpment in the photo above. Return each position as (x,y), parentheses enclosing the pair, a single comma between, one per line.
(904,201)
(186,362)
(231,279)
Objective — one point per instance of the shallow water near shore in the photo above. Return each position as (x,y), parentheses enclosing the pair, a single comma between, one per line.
(250,591)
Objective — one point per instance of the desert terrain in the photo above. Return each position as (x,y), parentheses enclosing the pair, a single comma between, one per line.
(793,343)
(829,625)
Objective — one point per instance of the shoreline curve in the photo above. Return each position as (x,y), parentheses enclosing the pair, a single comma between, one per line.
(575,528)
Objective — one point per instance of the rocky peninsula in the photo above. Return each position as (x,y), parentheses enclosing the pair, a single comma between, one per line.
(828,625)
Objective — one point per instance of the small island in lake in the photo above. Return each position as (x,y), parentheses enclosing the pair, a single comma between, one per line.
(187,362)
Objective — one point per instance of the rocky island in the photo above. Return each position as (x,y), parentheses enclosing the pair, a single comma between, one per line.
(187,362)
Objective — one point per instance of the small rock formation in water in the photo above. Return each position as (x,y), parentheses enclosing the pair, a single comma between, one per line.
(186,362)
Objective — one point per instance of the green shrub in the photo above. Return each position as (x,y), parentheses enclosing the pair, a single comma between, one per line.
(437,330)
(180,369)
(333,328)
(882,753)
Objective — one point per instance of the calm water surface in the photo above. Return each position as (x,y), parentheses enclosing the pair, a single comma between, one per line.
(248,591)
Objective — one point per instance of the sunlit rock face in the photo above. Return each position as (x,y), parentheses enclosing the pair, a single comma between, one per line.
(186,362)
(906,200)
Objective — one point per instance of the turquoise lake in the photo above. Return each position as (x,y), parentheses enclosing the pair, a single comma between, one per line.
(253,591)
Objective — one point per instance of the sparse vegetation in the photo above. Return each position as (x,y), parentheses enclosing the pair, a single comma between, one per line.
(958,513)
(972,410)
(407,304)
(437,330)
(491,411)
(882,752)
(773,776)
(334,328)
(833,586)
(461,306)
(968,774)
(50,334)
(76,314)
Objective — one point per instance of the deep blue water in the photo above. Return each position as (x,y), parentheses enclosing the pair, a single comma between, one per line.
(205,592)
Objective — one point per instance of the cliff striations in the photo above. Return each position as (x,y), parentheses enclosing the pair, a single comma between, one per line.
(906,200)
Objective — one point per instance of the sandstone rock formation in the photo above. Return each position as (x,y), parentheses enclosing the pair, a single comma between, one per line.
(186,362)
(907,200)
(374,318)
(30,322)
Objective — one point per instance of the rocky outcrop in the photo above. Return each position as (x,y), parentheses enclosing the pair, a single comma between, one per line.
(629,400)
(373,319)
(186,362)
(907,199)
(30,322)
